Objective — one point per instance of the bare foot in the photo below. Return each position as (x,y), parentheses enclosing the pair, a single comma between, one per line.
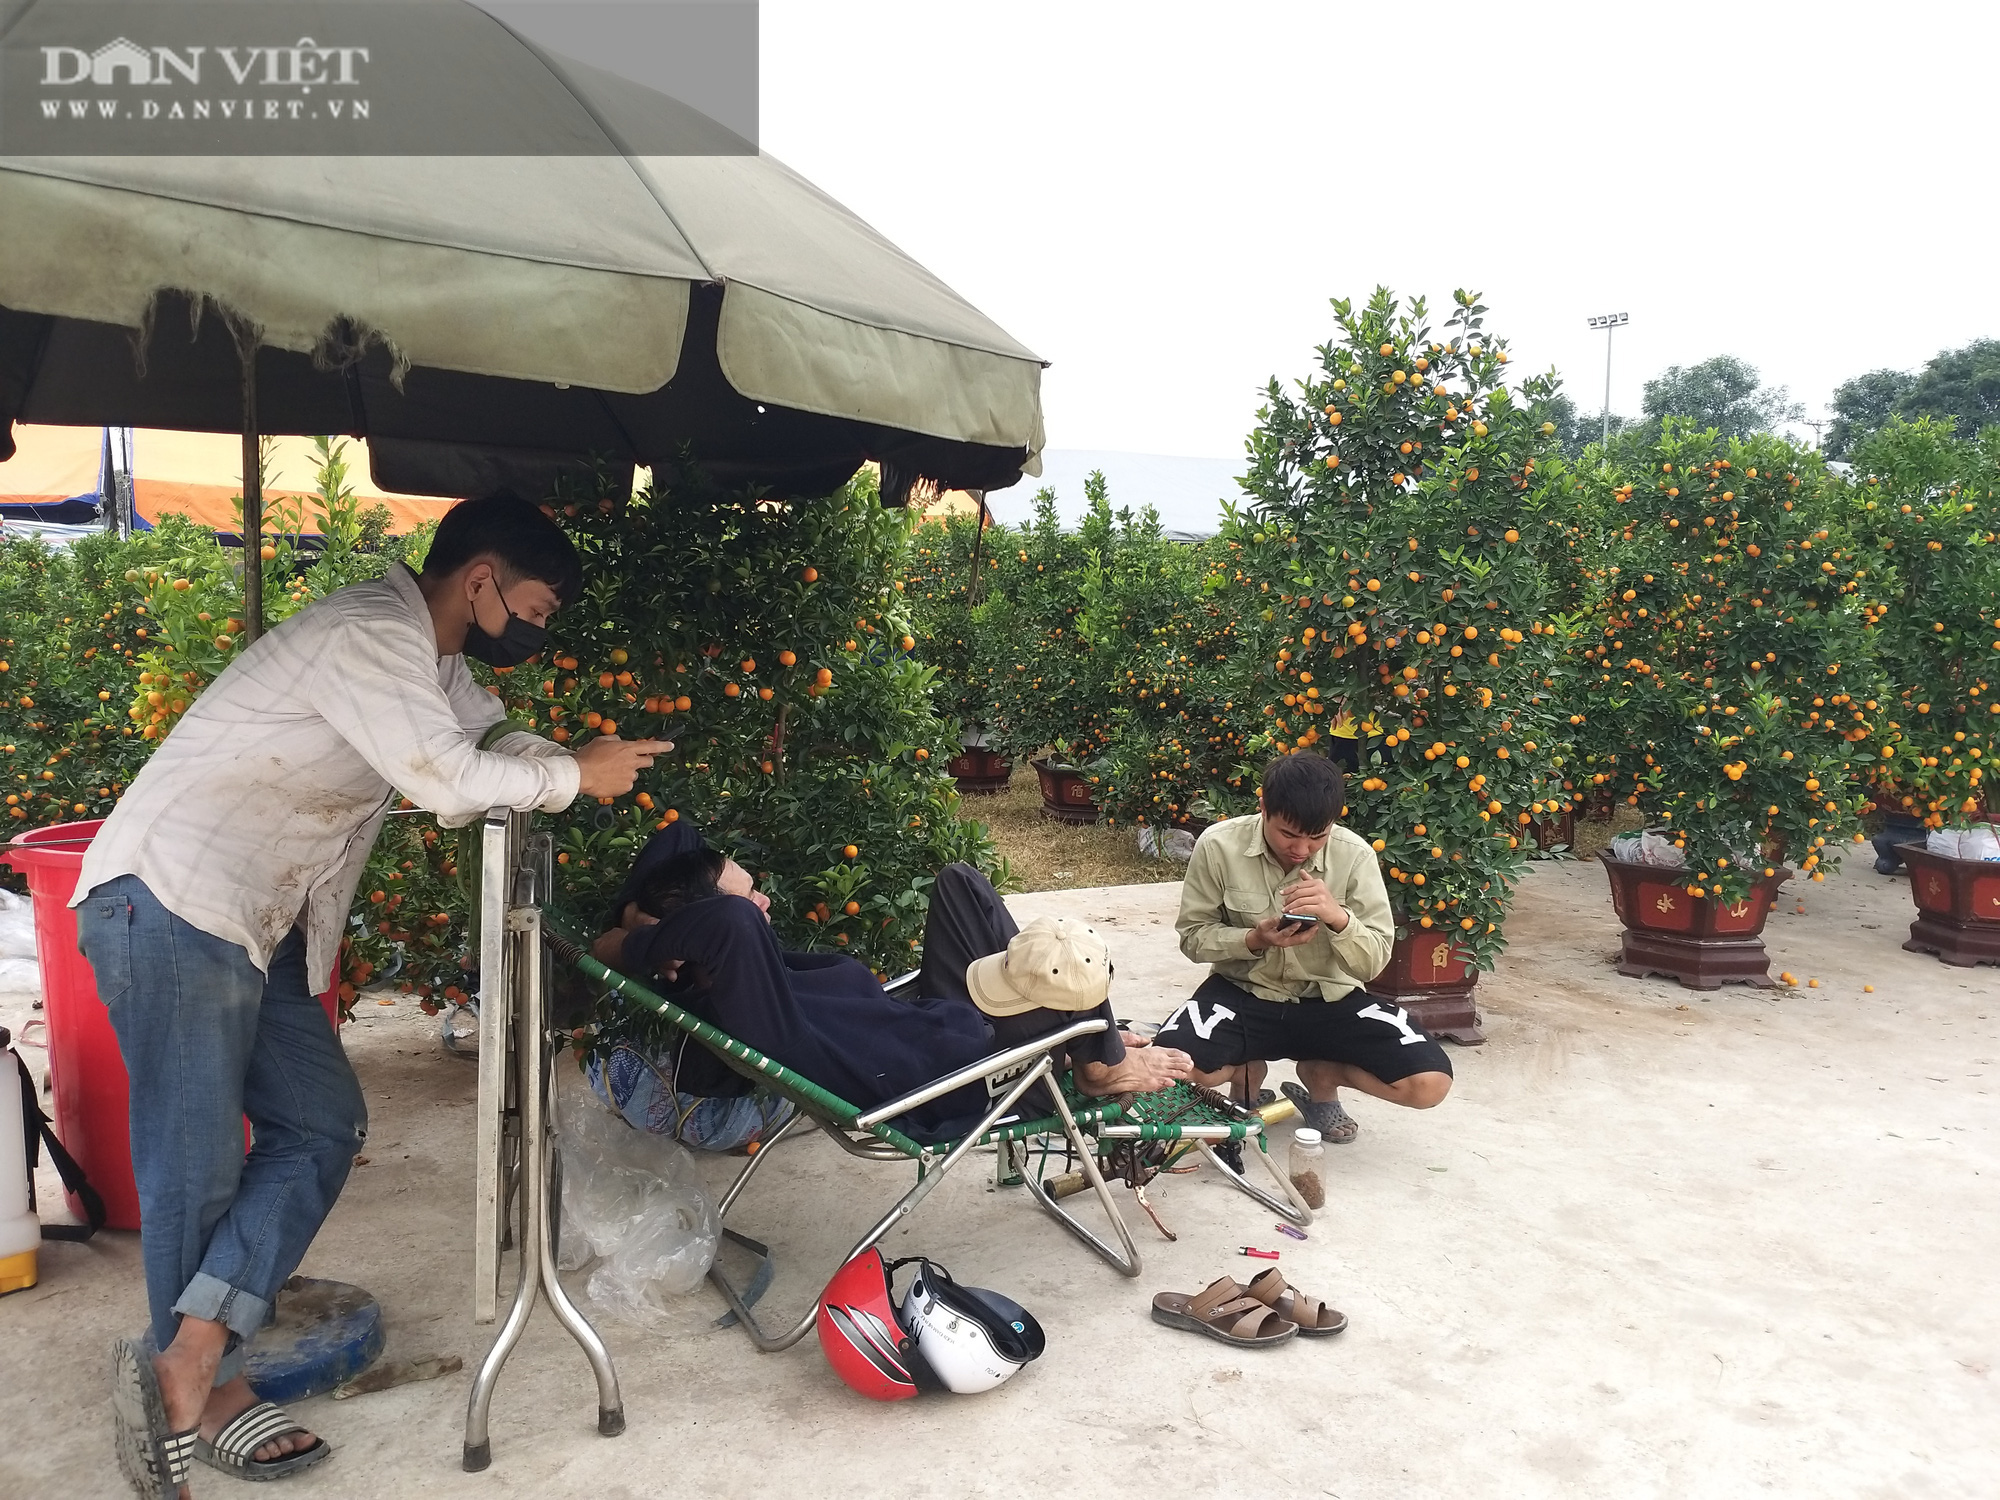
(225,1402)
(1144,1070)
(186,1372)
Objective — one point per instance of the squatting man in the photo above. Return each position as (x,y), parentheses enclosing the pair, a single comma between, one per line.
(1288,910)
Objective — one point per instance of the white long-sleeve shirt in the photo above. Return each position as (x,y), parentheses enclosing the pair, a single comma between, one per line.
(265,800)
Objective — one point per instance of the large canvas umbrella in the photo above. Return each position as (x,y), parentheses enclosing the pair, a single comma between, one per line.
(493,320)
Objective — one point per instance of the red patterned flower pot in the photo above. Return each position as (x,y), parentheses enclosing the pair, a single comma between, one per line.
(1065,793)
(1695,939)
(1958,907)
(1431,978)
(980,772)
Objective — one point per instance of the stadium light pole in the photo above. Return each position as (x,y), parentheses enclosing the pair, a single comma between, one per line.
(1608,322)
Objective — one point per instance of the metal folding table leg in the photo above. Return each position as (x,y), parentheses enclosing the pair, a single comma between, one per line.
(535,1252)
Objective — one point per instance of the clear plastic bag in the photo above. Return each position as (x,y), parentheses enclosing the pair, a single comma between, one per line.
(633,1207)
(1648,848)
(459,1030)
(20,969)
(1166,843)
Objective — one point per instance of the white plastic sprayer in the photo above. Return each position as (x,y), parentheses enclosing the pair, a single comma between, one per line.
(20,1230)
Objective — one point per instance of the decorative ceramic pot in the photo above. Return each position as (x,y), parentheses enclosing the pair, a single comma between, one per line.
(1431,977)
(1065,792)
(1699,940)
(980,772)
(1958,907)
(1900,829)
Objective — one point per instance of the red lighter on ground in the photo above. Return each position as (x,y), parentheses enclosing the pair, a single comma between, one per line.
(1253,1250)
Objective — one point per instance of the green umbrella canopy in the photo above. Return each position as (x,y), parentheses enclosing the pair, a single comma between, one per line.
(616,278)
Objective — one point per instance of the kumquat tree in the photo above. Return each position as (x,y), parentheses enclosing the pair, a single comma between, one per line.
(66,672)
(1927,527)
(1179,729)
(1046,681)
(127,632)
(1385,576)
(771,641)
(193,591)
(1730,670)
(940,590)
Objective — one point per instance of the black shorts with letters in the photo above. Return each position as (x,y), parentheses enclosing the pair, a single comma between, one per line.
(1223,1025)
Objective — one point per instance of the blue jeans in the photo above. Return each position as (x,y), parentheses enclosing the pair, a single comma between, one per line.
(208,1040)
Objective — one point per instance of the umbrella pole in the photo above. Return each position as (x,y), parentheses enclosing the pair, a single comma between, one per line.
(253,496)
(978,537)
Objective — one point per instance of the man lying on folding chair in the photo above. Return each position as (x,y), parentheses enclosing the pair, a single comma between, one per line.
(693,917)
(819,1033)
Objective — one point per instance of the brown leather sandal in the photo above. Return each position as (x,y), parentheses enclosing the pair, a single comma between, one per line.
(1313,1317)
(1225,1313)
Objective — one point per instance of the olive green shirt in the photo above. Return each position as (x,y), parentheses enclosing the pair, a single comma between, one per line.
(1233,883)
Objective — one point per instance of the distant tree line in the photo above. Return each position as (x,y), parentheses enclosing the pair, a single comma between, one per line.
(1963,384)
(1727,394)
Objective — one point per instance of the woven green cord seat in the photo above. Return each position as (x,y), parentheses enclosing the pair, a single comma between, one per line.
(1159,1116)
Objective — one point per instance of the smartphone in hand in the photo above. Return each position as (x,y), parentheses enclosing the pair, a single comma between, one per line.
(1297,922)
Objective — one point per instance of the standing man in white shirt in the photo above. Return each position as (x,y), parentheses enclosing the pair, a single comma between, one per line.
(211,909)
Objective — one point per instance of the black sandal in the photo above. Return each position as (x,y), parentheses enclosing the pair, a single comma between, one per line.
(250,1429)
(154,1460)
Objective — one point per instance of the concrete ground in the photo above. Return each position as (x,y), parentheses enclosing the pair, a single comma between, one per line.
(1655,1244)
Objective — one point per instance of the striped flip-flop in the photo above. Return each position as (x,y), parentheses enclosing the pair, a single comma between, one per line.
(249,1430)
(153,1459)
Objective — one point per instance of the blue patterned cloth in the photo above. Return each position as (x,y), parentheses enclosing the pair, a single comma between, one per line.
(641,1089)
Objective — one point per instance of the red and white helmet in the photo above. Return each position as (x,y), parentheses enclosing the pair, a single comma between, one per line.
(862,1336)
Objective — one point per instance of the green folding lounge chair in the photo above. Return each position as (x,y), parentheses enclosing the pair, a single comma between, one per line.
(1183,1119)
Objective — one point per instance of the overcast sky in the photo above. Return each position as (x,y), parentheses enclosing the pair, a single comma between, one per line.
(1161,198)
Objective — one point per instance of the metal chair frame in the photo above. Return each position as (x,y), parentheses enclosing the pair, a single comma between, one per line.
(870,1135)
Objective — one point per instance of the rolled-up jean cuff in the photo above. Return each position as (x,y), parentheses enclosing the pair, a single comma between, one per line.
(210,1297)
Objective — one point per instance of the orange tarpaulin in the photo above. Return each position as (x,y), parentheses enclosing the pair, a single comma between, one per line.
(199,475)
(51,464)
(195,474)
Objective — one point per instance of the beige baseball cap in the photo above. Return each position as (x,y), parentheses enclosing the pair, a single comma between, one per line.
(1053,963)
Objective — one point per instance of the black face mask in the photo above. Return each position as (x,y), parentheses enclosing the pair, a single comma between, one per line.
(518,641)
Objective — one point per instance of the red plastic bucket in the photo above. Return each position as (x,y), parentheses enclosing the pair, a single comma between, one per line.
(86,1072)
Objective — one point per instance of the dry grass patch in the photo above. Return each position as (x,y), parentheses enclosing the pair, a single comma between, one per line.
(1593,836)
(1045,855)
